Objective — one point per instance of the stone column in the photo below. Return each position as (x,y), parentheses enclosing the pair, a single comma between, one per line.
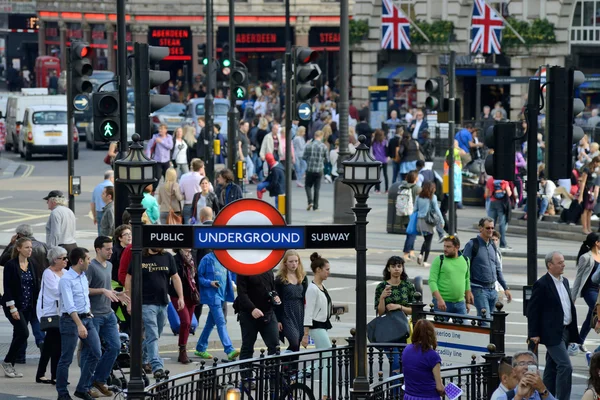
(198,37)
(301,29)
(41,38)
(139,33)
(87,31)
(110,47)
(62,27)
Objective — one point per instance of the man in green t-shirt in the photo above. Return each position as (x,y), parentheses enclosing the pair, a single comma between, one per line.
(449,279)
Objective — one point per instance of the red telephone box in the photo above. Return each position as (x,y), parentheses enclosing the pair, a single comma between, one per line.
(43,66)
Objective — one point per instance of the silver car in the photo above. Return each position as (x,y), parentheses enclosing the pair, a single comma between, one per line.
(172,115)
(195,109)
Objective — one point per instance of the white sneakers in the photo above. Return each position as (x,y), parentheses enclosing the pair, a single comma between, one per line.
(10,372)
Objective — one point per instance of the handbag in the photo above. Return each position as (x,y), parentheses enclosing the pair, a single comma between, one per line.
(411,229)
(108,160)
(173,218)
(391,327)
(51,321)
(432,217)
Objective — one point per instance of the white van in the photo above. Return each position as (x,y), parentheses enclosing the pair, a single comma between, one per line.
(45,131)
(16,107)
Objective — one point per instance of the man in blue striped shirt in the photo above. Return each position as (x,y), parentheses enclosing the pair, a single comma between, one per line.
(76,321)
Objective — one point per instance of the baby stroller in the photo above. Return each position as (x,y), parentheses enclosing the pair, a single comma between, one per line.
(117,378)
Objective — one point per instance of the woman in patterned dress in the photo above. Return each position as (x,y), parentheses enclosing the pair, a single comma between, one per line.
(291,284)
(396,292)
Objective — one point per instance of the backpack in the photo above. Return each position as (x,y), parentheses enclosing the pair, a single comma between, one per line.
(474,250)
(404,202)
(460,254)
(499,192)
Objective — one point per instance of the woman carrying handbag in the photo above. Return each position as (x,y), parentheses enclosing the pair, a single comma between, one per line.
(47,311)
(169,199)
(428,217)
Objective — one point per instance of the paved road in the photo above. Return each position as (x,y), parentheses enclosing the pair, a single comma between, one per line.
(21,201)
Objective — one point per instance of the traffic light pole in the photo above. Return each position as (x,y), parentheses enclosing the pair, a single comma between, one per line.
(70,128)
(209,99)
(232,114)
(532,109)
(452,228)
(121,196)
(288,136)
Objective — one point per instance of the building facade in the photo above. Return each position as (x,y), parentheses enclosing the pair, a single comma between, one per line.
(181,26)
(577,37)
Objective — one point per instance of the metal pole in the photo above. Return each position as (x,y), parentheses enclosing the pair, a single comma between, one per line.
(342,193)
(361,381)
(208,100)
(232,114)
(121,199)
(186,81)
(288,136)
(288,35)
(532,109)
(478,97)
(136,387)
(451,127)
(70,128)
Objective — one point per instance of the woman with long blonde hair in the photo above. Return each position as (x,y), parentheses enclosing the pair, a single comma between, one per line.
(291,284)
(169,196)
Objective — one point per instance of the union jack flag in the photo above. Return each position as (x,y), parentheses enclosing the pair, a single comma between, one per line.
(486,29)
(395,27)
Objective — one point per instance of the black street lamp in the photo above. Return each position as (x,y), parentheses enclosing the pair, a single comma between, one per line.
(136,171)
(479,62)
(361,173)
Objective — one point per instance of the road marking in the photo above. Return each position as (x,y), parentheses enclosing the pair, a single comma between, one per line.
(16,221)
(28,171)
(11,211)
(39,224)
(6,198)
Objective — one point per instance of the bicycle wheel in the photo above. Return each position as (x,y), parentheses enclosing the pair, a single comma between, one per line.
(297,391)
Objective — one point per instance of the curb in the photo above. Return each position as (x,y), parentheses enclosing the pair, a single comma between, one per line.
(9,169)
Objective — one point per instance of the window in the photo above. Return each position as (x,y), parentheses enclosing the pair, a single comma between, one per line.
(49,117)
(577,15)
(588,13)
(220,109)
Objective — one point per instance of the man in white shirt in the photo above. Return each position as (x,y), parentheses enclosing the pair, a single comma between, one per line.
(418,125)
(61,225)
(189,184)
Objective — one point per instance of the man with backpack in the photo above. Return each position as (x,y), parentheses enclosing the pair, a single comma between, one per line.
(485,269)
(499,193)
(449,279)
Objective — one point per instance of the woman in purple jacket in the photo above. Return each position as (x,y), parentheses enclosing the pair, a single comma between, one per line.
(379,149)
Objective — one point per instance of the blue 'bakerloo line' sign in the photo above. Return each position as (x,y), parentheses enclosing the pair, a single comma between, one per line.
(250,237)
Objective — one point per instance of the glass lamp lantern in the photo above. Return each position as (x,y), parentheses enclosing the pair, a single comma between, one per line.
(361,171)
(136,171)
(479,59)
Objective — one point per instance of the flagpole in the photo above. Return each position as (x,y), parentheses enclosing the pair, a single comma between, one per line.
(410,21)
(499,14)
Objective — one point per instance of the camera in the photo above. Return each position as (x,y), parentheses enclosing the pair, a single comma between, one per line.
(272,294)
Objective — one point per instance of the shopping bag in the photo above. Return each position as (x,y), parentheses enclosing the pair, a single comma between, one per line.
(411,229)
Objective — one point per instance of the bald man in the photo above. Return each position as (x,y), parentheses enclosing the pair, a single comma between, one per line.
(206,216)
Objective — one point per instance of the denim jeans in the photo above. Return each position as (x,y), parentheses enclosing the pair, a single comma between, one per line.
(395,170)
(187,213)
(68,336)
(558,372)
(98,219)
(542,204)
(590,296)
(215,317)
(496,212)
(154,317)
(249,167)
(485,298)
(409,243)
(108,330)
(300,168)
(456,307)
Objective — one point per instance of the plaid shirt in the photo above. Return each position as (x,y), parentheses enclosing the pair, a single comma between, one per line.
(2,134)
(315,155)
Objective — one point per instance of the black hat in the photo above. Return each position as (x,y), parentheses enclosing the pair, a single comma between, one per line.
(54,193)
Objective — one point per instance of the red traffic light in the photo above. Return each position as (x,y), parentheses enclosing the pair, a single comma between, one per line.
(80,49)
(305,55)
(108,105)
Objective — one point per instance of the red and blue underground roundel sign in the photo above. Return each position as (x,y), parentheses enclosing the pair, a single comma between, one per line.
(275,241)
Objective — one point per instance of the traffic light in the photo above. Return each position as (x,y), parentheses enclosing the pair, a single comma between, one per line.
(561,109)
(239,81)
(225,57)
(146,79)
(202,60)
(277,73)
(435,91)
(81,68)
(305,72)
(106,116)
(501,138)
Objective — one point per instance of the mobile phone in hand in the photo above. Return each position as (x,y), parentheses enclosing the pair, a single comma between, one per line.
(532,369)
(217,284)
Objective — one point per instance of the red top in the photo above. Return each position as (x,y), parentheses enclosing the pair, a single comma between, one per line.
(124,264)
(489,185)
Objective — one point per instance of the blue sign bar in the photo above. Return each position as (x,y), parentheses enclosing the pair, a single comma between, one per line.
(249,237)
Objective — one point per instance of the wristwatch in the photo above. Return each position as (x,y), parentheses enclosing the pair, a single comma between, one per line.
(545,393)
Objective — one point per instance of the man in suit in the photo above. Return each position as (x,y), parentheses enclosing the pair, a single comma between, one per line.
(552,321)
(417,126)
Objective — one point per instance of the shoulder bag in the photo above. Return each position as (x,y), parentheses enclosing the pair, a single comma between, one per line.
(49,322)
(391,327)
(432,217)
(173,218)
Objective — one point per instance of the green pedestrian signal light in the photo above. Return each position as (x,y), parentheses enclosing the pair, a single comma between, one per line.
(226,63)
(240,93)
(109,130)
(205,61)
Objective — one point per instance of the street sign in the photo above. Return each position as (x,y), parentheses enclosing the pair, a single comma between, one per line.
(81,102)
(109,129)
(249,236)
(304,111)
(457,343)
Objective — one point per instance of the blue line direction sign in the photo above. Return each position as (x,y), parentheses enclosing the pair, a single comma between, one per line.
(81,102)
(304,111)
